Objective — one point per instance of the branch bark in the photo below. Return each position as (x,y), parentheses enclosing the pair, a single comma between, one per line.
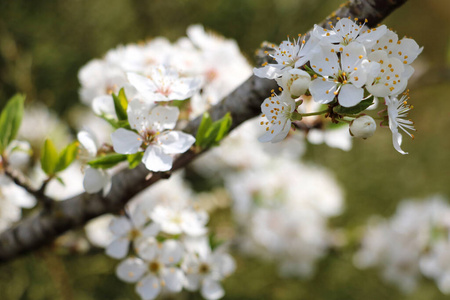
(244,103)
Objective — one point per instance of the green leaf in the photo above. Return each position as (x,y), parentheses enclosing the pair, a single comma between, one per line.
(49,157)
(10,120)
(121,105)
(107,161)
(60,180)
(135,159)
(203,128)
(216,131)
(225,124)
(115,123)
(354,109)
(67,156)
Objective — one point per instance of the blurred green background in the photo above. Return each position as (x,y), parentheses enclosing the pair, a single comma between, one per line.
(43,44)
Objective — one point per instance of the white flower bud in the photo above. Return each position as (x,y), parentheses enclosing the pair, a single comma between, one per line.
(296,81)
(363,127)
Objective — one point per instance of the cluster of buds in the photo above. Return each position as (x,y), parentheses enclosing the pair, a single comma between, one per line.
(346,69)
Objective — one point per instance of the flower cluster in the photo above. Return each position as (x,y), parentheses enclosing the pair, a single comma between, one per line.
(345,68)
(414,241)
(170,247)
(281,206)
(150,79)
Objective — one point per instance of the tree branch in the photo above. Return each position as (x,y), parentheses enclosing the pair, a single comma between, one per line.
(244,103)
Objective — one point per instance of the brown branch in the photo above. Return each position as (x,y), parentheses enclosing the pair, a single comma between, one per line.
(243,104)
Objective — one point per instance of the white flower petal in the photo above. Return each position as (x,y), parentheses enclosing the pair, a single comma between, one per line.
(88,141)
(120,226)
(322,91)
(148,288)
(118,248)
(226,263)
(141,83)
(171,252)
(350,95)
(156,160)
(268,71)
(174,142)
(173,278)
(104,105)
(125,141)
(138,114)
(212,289)
(165,116)
(151,230)
(147,248)
(131,270)
(325,62)
(94,180)
(352,56)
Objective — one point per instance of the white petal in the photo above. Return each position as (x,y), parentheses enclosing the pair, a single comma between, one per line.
(125,141)
(407,48)
(350,95)
(94,180)
(352,56)
(151,230)
(131,270)
(147,248)
(325,62)
(283,133)
(165,116)
(211,289)
(156,160)
(184,88)
(141,83)
(118,248)
(148,288)
(171,252)
(268,71)
(88,141)
(120,226)
(370,38)
(174,142)
(104,105)
(226,263)
(138,114)
(322,91)
(173,278)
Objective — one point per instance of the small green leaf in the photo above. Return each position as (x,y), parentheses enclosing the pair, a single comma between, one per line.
(10,120)
(203,128)
(135,159)
(107,161)
(115,123)
(67,156)
(121,105)
(225,124)
(354,109)
(60,180)
(49,157)
(216,131)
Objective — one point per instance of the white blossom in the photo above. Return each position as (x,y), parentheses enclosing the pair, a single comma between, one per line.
(154,125)
(163,84)
(277,111)
(288,55)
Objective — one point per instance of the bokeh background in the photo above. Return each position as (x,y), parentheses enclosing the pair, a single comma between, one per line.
(43,44)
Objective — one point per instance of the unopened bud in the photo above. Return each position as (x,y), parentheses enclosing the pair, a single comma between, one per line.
(295,81)
(363,127)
